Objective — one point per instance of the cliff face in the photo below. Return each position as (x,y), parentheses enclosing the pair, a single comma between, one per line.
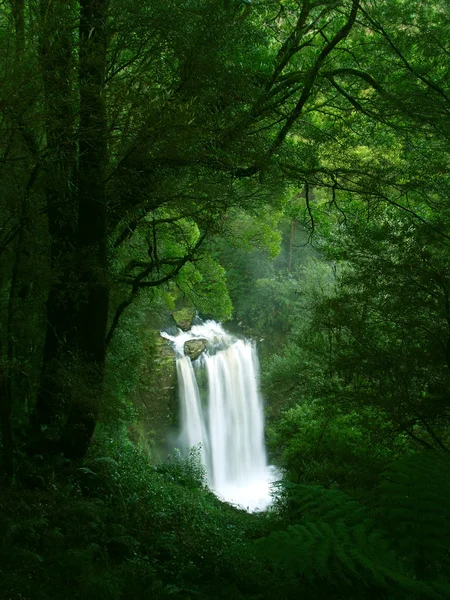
(154,398)
(154,395)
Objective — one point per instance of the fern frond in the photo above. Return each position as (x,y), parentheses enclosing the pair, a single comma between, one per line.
(337,541)
(415,509)
(316,502)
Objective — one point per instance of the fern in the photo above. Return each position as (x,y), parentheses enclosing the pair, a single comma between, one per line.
(336,540)
(415,508)
(339,552)
(314,501)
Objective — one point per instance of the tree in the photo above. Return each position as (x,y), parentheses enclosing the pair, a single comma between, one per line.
(164,132)
(369,347)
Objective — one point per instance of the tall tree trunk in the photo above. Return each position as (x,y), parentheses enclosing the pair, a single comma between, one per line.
(92,223)
(6,421)
(18,13)
(56,56)
(7,366)
(7,377)
(92,267)
(291,245)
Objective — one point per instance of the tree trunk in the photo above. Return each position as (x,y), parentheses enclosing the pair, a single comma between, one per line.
(18,13)
(7,366)
(6,424)
(291,245)
(92,267)
(56,55)
(92,223)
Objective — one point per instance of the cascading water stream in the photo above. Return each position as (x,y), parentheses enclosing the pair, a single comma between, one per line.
(226,418)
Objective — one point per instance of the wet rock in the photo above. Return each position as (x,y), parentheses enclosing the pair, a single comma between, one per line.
(193,348)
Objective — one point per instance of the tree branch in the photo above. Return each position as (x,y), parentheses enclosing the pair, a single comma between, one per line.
(435,438)
(137,283)
(312,76)
(404,60)
(120,309)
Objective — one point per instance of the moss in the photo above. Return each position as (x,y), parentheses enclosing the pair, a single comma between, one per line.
(183,318)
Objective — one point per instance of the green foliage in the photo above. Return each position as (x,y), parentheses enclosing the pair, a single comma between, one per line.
(274,302)
(118,526)
(132,345)
(413,511)
(188,471)
(236,131)
(338,553)
(371,337)
(336,541)
(254,253)
(203,286)
(246,251)
(323,445)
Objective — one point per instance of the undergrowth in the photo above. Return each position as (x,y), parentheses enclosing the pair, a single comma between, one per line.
(116,526)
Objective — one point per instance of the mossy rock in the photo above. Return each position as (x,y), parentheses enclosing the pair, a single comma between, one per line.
(183,318)
(193,348)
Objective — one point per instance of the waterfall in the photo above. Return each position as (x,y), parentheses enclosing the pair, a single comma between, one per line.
(223,412)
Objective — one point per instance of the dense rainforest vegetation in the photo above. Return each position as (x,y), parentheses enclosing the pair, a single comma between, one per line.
(280,163)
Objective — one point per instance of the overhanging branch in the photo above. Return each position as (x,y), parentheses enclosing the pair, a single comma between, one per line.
(137,283)
(312,76)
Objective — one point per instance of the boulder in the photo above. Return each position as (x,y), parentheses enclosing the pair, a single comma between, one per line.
(183,318)
(193,348)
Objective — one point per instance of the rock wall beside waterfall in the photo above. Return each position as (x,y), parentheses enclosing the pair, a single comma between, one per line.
(155,398)
(154,394)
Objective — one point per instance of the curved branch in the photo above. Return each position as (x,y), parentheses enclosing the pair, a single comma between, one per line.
(428,82)
(312,76)
(120,309)
(137,283)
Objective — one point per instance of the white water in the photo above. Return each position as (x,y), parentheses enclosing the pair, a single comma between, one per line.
(229,423)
